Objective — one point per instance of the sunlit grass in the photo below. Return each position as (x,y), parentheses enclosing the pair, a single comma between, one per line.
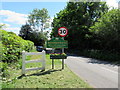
(50,78)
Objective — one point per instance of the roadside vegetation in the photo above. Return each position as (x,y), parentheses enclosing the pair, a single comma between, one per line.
(11,64)
(50,78)
(93,30)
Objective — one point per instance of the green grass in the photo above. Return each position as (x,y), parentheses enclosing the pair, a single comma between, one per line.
(50,78)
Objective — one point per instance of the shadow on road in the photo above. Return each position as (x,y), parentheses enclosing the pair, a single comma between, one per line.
(95,61)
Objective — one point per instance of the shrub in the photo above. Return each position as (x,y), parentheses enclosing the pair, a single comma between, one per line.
(4,70)
(12,46)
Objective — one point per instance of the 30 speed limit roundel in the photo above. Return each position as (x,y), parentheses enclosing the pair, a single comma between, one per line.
(62,31)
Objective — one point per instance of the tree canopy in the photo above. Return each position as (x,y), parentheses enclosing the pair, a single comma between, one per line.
(107,30)
(38,21)
(78,17)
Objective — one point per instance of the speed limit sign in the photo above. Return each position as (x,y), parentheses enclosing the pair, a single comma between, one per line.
(62,31)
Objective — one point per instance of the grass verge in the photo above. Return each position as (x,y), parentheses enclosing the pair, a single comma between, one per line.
(50,78)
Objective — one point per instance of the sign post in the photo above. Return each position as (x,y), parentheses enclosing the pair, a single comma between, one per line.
(53,59)
(58,42)
(62,31)
(63,59)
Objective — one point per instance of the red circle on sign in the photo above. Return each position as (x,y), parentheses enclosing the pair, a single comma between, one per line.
(62,31)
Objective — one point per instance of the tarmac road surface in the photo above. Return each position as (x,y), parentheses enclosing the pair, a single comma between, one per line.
(98,74)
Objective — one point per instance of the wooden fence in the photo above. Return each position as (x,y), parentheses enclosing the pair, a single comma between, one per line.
(32,61)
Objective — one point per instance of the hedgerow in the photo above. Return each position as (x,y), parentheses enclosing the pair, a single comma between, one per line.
(12,46)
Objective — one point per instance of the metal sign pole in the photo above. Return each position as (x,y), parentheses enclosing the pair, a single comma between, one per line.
(63,59)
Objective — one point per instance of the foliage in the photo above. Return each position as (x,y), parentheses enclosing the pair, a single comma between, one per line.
(38,19)
(107,31)
(4,70)
(58,54)
(78,17)
(26,32)
(12,46)
(56,78)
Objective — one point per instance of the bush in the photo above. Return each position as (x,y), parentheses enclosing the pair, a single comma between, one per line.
(12,46)
(4,70)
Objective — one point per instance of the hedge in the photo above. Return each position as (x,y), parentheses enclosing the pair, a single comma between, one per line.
(12,46)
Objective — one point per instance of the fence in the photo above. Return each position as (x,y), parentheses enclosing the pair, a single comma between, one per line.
(32,61)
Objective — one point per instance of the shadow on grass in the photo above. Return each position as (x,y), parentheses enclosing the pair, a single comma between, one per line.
(40,73)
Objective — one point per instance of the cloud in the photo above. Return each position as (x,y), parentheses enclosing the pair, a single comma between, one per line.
(13,17)
(6,25)
(112,3)
(13,29)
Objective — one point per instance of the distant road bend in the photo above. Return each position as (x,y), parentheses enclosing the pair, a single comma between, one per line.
(98,74)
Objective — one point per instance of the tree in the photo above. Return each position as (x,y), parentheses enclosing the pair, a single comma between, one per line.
(37,37)
(78,17)
(26,32)
(38,19)
(37,23)
(107,31)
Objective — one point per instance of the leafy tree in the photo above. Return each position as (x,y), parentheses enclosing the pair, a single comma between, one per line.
(26,32)
(78,17)
(38,19)
(107,30)
(39,38)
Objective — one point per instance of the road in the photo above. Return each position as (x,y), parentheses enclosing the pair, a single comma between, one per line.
(98,74)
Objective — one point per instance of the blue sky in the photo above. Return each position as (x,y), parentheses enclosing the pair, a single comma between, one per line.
(14,14)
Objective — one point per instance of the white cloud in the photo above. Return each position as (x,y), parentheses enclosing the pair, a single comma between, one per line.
(6,25)
(13,29)
(13,17)
(34,0)
(112,3)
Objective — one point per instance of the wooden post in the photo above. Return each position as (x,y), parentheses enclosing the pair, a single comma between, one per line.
(52,63)
(62,63)
(23,62)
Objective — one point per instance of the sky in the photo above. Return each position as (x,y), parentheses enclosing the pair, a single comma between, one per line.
(14,13)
